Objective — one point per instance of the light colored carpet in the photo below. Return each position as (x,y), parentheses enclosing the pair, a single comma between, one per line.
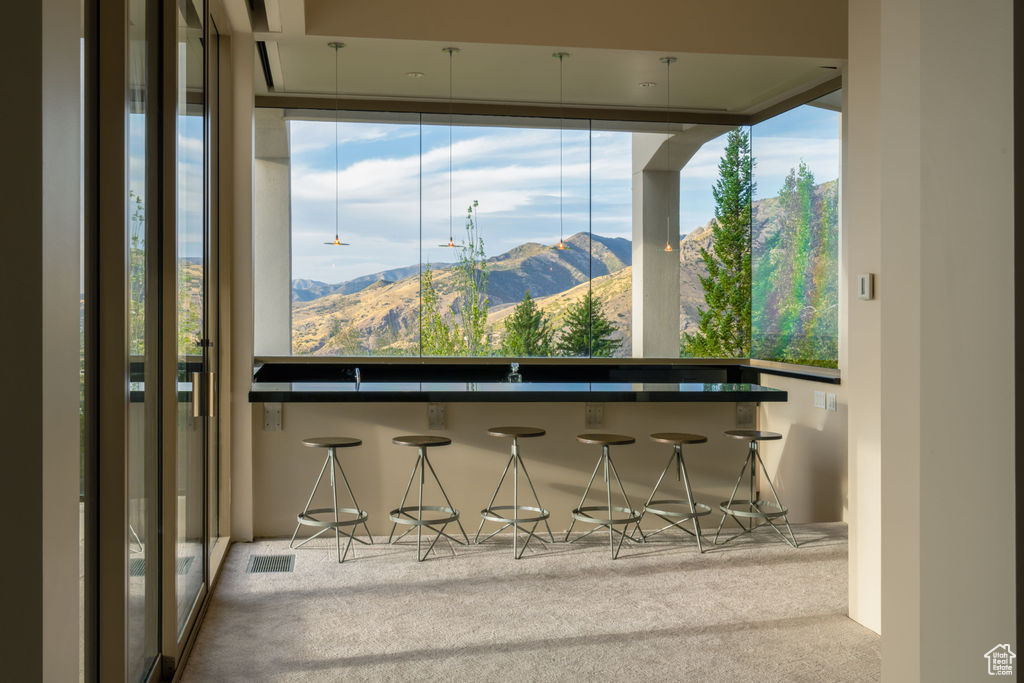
(753,610)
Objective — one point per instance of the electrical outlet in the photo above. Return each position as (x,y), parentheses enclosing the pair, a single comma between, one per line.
(272,417)
(437,415)
(819,399)
(593,415)
(830,403)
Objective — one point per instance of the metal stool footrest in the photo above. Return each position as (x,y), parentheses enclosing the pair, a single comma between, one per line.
(491,514)
(404,515)
(308,518)
(581,514)
(775,510)
(700,509)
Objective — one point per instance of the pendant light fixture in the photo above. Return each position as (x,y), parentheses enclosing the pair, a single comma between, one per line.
(451,60)
(667,61)
(336,46)
(561,150)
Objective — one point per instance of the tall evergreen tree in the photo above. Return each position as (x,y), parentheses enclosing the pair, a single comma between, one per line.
(526,331)
(724,327)
(587,330)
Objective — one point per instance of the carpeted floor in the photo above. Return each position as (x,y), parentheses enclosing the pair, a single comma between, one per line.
(752,610)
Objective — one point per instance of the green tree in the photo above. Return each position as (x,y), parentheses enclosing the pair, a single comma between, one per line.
(462,329)
(526,331)
(470,281)
(587,330)
(724,327)
(436,336)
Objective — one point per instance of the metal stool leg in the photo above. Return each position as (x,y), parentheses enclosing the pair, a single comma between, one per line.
(689,497)
(778,502)
(494,496)
(535,496)
(446,499)
(291,544)
(732,497)
(586,491)
(355,503)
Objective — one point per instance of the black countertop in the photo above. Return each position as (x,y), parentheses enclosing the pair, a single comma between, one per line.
(509,392)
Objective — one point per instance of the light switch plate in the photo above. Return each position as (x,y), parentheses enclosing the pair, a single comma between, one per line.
(437,415)
(830,402)
(819,399)
(272,417)
(593,415)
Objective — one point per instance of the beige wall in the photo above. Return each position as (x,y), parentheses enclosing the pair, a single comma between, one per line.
(806,28)
(947,261)
(808,466)
(860,321)
(284,470)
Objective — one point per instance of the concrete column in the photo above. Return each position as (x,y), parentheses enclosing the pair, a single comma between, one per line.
(655,272)
(657,160)
(39,188)
(272,235)
(948,576)
(860,321)
(241,288)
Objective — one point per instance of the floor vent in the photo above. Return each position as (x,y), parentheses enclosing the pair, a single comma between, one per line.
(265,564)
(137,566)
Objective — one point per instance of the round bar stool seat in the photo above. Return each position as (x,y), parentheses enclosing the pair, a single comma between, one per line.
(605,439)
(752,435)
(754,508)
(517,432)
(308,516)
(421,440)
(412,515)
(497,513)
(583,513)
(661,507)
(678,438)
(331,442)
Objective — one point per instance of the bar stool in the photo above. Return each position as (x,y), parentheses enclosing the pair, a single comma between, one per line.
(307,516)
(493,513)
(582,513)
(675,518)
(755,508)
(403,514)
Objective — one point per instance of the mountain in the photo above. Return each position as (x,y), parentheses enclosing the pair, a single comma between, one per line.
(379,313)
(307,290)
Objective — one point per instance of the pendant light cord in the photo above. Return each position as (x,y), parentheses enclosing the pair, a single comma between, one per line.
(561,146)
(337,171)
(668,142)
(451,96)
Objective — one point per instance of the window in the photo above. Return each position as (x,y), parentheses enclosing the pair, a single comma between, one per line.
(519,237)
(795,239)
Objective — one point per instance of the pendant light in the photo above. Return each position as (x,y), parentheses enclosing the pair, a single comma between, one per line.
(337,170)
(667,61)
(451,60)
(561,150)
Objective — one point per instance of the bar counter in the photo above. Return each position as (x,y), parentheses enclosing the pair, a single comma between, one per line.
(345,382)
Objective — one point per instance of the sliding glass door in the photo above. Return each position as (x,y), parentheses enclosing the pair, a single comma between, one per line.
(195,329)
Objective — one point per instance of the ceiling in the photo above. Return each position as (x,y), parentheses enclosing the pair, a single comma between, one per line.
(378,68)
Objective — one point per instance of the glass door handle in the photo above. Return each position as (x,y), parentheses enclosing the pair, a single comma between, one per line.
(197,380)
(211,394)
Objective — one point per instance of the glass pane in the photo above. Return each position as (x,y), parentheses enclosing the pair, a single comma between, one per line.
(213,303)
(795,299)
(190,276)
(142,537)
(354,177)
(714,250)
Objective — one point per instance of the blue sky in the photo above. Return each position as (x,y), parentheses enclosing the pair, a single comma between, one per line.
(512,172)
